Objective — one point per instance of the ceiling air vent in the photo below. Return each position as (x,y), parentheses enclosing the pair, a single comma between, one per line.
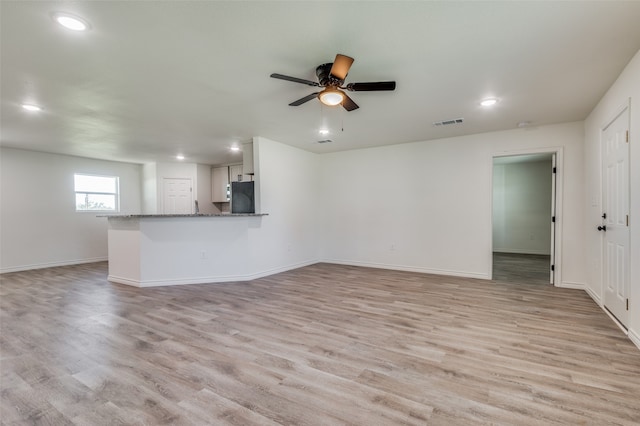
(449,122)
(325,141)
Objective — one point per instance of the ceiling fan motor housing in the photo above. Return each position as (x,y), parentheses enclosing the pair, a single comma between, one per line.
(323,72)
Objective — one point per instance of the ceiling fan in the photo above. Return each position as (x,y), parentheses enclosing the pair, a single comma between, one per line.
(331,77)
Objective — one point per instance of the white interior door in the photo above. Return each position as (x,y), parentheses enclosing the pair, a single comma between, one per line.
(615,216)
(178,196)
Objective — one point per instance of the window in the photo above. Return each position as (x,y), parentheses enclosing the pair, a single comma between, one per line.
(96,193)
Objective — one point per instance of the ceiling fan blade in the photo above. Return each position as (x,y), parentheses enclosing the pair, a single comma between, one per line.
(348,103)
(295,79)
(372,86)
(340,67)
(305,99)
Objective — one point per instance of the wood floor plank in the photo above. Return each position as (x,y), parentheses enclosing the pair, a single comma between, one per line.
(321,345)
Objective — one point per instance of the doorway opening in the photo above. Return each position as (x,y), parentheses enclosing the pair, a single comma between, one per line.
(524,218)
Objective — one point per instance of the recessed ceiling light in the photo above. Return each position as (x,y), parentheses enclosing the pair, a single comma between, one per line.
(179,157)
(323,131)
(31,107)
(70,21)
(489,102)
(235,148)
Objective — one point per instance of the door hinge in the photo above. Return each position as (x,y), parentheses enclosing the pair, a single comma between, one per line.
(553,219)
(553,267)
(627,136)
(627,220)
(627,304)
(555,170)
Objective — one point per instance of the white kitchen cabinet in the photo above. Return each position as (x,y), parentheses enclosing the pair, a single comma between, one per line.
(247,158)
(220,190)
(236,174)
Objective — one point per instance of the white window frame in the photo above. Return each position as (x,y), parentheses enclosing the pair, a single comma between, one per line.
(116,194)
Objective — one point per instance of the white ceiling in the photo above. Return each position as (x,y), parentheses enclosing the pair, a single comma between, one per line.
(153,79)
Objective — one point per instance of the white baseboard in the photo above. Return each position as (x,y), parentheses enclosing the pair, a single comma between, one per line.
(631,334)
(521,251)
(596,298)
(615,320)
(207,280)
(121,280)
(569,284)
(464,274)
(634,337)
(51,264)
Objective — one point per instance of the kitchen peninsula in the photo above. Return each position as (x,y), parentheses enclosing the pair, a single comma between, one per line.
(150,250)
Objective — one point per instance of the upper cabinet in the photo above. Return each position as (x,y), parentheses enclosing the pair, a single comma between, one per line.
(236,174)
(247,158)
(220,192)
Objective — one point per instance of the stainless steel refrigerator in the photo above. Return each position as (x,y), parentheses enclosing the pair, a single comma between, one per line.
(243,197)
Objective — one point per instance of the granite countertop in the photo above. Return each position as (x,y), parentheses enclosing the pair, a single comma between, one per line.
(140,216)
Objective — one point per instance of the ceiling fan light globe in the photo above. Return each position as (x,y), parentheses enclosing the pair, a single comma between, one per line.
(331,97)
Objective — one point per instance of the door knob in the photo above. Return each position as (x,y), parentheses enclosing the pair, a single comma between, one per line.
(602,228)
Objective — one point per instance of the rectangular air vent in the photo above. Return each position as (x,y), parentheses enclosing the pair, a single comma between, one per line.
(449,122)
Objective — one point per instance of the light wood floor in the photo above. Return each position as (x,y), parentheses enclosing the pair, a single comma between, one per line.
(521,268)
(321,345)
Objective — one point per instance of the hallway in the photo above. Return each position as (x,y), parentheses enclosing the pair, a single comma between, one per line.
(521,268)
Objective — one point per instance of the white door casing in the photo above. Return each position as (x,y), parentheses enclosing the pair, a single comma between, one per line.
(615,216)
(557,209)
(552,250)
(177,196)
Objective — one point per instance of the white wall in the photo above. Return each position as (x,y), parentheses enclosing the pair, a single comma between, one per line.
(626,87)
(149,189)
(287,189)
(522,207)
(426,206)
(39,226)
(203,189)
